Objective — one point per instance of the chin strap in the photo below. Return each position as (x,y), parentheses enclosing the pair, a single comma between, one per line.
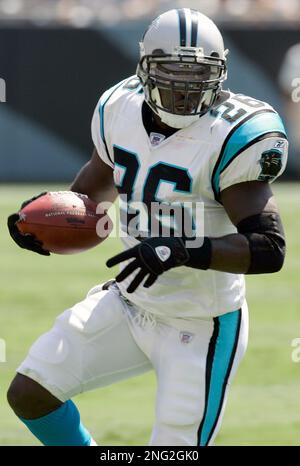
(177,121)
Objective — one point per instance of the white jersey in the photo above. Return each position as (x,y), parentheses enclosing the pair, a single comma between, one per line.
(240,140)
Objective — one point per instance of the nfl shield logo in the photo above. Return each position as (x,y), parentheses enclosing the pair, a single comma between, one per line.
(156,138)
(186,337)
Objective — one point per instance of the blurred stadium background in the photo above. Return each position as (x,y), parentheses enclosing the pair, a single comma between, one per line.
(57,57)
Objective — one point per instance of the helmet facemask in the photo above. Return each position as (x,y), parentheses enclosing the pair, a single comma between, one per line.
(182,86)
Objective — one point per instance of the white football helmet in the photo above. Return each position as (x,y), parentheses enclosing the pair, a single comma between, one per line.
(182,66)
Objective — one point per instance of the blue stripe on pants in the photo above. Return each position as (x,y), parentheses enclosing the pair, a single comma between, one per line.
(227,327)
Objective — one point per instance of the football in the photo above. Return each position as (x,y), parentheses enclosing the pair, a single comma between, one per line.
(64,222)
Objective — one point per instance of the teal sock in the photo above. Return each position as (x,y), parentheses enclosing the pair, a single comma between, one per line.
(61,427)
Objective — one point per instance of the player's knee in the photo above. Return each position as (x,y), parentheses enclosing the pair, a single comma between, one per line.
(20,394)
(30,400)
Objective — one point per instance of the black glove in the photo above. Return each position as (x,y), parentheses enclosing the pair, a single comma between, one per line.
(25,241)
(153,256)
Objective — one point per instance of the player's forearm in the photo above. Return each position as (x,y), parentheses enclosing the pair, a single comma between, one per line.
(230,253)
(106,194)
(97,190)
(258,247)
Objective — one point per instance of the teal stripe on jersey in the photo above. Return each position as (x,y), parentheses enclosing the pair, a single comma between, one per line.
(103,101)
(257,125)
(229,325)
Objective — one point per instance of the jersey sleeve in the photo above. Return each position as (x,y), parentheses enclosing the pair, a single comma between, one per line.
(263,161)
(256,149)
(98,137)
(101,122)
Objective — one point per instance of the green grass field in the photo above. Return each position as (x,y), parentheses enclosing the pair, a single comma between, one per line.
(263,406)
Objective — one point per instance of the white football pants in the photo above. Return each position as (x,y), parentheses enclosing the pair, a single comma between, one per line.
(105,339)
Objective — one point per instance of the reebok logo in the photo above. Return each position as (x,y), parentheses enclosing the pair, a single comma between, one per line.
(163,252)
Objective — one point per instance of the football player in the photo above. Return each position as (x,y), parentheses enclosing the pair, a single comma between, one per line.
(170,135)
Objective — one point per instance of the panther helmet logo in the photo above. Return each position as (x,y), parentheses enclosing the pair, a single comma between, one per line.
(271,164)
